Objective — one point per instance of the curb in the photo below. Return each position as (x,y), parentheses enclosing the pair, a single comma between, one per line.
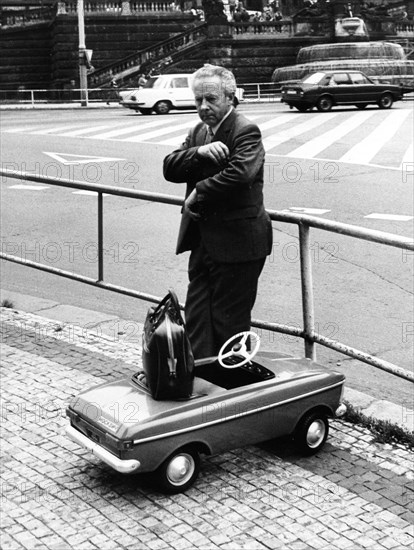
(72,315)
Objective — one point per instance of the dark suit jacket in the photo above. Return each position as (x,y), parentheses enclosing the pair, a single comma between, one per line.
(234,226)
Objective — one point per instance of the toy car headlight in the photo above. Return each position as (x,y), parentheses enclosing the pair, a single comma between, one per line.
(340,411)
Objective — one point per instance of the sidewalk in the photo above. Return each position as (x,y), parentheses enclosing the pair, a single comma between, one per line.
(355,494)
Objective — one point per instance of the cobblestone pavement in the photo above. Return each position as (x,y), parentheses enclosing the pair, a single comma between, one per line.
(355,494)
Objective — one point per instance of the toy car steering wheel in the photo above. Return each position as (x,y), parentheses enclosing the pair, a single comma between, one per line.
(239,350)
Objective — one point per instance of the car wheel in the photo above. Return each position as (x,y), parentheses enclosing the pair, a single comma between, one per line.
(179,471)
(385,101)
(302,108)
(324,104)
(145,111)
(361,105)
(162,107)
(311,433)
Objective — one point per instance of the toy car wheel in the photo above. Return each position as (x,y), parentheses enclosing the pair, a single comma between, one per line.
(179,471)
(311,433)
(162,107)
(385,101)
(361,105)
(324,104)
(145,111)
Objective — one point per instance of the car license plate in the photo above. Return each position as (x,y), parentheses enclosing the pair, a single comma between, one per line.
(291,92)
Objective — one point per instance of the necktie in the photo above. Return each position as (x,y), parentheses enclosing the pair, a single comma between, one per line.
(209,135)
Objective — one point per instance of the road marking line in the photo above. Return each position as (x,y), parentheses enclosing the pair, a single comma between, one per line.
(18,130)
(89,193)
(156,133)
(177,140)
(79,159)
(369,147)
(278,121)
(129,129)
(173,142)
(276,139)
(318,144)
(52,130)
(389,217)
(82,131)
(314,211)
(29,187)
(408,158)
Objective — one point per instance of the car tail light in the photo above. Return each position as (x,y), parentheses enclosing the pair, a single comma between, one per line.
(115,443)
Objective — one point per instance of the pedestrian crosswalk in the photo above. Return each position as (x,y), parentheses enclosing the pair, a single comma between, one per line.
(372,137)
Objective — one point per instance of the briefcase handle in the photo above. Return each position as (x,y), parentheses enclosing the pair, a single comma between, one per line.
(170,301)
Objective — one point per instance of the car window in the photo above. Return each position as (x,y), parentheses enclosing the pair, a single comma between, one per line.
(342,78)
(152,82)
(180,82)
(358,78)
(314,78)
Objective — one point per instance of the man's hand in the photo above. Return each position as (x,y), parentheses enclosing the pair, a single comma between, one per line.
(190,202)
(217,151)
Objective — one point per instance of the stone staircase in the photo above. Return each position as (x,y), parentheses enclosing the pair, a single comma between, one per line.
(155,57)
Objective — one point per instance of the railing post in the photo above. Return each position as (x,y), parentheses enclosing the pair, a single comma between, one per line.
(32,97)
(100,237)
(307,290)
(83,78)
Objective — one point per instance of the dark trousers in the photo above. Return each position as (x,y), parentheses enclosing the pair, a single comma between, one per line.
(219,300)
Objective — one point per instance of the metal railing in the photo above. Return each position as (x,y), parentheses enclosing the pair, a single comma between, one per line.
(304,223)
(253,92)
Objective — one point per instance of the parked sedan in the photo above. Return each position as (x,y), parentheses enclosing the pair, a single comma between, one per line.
(324,90)
(162,93)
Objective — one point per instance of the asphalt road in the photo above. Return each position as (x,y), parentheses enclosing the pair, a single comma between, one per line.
(349,166)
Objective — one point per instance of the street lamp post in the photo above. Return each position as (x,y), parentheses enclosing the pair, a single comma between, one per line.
(83,78)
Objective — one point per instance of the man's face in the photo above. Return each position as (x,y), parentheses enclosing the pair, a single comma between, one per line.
(211,100)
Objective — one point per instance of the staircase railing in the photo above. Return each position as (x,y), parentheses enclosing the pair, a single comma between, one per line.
(169,49)
(25,17)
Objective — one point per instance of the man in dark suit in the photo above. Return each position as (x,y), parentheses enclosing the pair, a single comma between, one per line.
(224,222)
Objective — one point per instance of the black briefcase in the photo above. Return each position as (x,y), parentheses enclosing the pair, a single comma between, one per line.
(167,358)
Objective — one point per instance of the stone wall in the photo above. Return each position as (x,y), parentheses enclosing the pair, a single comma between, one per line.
(251,60)
(25,58)
(46,55)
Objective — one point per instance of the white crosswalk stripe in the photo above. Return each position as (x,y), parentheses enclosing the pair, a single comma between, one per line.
(342,136)
(55,130)
(408,157)
(129,130)
(319,143)
(177,140)
(384,132)
(276,139)
(82,131)
(157,133)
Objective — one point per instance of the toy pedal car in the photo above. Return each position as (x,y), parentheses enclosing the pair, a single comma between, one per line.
(235,402)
